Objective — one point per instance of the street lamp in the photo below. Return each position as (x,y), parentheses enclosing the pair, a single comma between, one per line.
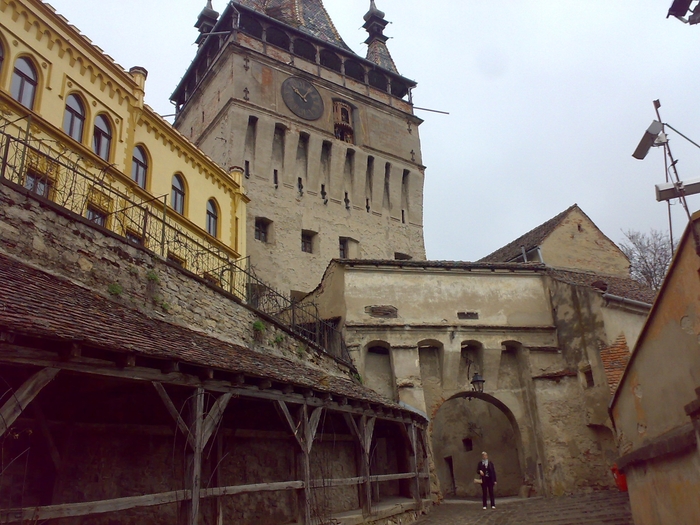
(478,382)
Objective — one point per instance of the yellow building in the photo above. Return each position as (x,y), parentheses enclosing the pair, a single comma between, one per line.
(74,129)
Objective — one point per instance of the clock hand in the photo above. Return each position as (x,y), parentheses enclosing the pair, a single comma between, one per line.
(303,97)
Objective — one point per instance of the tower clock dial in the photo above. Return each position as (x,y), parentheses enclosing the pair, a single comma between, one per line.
(302,98)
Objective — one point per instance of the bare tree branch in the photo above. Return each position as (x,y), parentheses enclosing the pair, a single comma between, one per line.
(649,255)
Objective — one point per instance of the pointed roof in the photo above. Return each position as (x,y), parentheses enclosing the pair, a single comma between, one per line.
(377,50)
(530,240)
(308,16)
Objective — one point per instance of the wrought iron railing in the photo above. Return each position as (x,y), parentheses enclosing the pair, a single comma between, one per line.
(51,170)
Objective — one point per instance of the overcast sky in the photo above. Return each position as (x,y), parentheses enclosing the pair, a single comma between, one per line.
(547,100)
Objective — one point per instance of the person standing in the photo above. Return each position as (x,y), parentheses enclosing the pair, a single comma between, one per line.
(487,470)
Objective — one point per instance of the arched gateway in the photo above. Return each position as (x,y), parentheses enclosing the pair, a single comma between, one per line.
(464,426)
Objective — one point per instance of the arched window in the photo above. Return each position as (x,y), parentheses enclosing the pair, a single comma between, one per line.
(139,166)
(74,118)
(2,56)
(24,82)
(354,70)
(102,137)
(212,218)
(177,195)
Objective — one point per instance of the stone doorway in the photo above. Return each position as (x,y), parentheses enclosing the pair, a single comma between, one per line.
(463,427)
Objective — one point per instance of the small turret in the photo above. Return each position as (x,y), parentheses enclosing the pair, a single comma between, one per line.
(377,50)
(206,22)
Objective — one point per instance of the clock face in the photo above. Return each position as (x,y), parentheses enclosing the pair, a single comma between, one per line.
(302,98)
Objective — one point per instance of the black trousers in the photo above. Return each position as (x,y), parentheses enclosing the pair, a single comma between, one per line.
(487,486)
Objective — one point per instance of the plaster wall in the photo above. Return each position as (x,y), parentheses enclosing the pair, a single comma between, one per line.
(575,458)
(104,88)
(622,321)
(533,364)
(665,363)
(435,297)
(578,243)
(383,211)
(665,491)
(462,429)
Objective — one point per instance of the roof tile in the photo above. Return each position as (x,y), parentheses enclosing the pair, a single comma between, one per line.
(37,304)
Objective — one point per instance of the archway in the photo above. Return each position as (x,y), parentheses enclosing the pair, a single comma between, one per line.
(464,426)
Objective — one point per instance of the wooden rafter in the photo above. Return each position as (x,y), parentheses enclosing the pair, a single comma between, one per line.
(20,398)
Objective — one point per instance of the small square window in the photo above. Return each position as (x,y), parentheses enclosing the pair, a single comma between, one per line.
(307,241)
(468,445)
(96,215)
(37,183)
(262,229)
(134,238)
(174,258)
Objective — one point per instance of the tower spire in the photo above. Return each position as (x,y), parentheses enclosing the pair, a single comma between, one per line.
(206,22)
(377,50)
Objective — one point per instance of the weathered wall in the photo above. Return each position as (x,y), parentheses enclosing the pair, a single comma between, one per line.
(666,362)
(244,83)
(578,243)
(486,428)
(507,299)
(534,340)
(659,397)
(61,242)
(665,491)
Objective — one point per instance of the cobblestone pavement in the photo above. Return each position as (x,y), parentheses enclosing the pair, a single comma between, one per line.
(598,508)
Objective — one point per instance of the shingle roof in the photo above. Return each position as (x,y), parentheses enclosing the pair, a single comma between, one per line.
(611,284)
(615,359)
(36,304)
(530,240)
(378,52)
(308,16)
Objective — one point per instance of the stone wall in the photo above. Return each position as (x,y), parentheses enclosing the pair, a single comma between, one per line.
(45,235)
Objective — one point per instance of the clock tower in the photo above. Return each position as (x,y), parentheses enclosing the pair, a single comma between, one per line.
(327,139)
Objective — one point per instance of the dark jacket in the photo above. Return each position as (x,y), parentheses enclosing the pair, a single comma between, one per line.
(489,472)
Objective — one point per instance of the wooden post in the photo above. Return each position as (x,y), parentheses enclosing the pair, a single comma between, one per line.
(24,395)
(304,430)
(364,433)
(219,478)
(196,479)
(414,464)
(367,430)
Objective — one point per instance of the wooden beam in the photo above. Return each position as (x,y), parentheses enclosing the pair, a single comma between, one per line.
(265,384)
(174,413)
(197,430)
(294,427)
(13,354)
(126,361)
(258,487)
(413,438)
(214,417)
(71,352)
(67,510)
(328,483)
(312,427)
(393,477)
(24,395)
(205,374)
(170,367)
